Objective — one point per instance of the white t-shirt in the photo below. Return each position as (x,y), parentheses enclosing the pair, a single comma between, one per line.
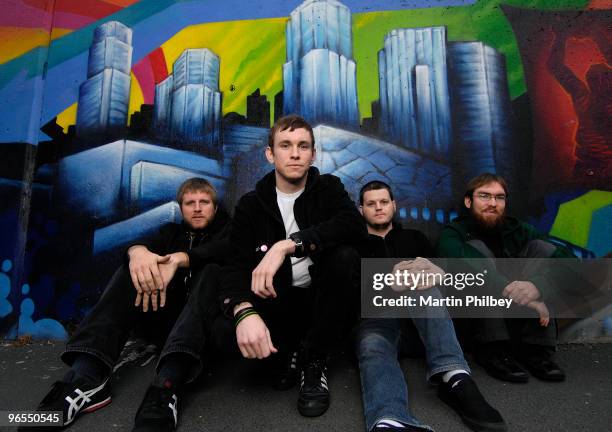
(299,266)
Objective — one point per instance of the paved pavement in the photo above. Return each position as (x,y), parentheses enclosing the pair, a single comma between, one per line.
(236,397)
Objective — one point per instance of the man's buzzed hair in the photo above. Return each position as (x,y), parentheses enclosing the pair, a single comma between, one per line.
(291,122)
(374,185)
(196,184)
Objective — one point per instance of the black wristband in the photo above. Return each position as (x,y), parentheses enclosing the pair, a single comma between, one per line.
(243,313)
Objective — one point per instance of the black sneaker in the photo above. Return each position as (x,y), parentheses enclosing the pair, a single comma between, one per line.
(314,393)
(285,371)
(462,395)
(538,361)
(73,399)
(158,411)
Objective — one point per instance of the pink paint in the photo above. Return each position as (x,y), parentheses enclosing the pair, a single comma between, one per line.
(144,74)
(21,14)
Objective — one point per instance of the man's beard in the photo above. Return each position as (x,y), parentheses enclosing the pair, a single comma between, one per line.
(486,224)
(379,227)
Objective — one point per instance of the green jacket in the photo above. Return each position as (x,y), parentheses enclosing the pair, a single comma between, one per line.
(515,236)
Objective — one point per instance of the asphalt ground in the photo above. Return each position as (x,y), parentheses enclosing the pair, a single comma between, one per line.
(235,395)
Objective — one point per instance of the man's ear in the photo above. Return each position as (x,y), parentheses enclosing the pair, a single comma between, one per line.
(394,207)
(467,201)
(270,154)
(314,155)
(361,210)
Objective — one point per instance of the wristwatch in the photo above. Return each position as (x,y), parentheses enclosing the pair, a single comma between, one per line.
(299,246)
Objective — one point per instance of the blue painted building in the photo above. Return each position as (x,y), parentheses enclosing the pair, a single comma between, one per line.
(104,97)
(482,112)
(195,100)
(414,95)
(320,74)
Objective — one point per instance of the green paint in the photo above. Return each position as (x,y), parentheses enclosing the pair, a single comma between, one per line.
(573,221)
(483,21)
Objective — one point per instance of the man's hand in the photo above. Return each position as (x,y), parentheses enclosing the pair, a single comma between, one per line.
(167,270)
(521,292)
(254,338)
(542,311)
(417,266)
(261,279)
(145,274)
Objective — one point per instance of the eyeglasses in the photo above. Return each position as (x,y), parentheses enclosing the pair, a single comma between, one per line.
(483,196)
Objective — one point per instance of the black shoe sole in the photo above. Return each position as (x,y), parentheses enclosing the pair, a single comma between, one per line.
(508,378)
(312,411)
(475,425)
(549,378)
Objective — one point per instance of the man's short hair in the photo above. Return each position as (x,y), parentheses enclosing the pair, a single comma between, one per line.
(483,179)
(290,122)
(374,185)
(196,184)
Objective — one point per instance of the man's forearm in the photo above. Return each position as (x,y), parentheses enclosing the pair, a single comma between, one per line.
(181,259)
(135,249)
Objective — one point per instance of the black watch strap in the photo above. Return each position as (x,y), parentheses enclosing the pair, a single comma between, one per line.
(299,246)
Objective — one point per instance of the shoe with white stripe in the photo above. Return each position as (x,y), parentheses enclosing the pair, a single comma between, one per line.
(158,411)
(313,400)
(74,399)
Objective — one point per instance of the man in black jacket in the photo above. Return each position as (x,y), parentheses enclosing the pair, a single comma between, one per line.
(152,290)
(385,395)
(292,276)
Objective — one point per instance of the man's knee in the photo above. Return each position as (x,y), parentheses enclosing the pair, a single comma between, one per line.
(343,261)
(538,249)
(372,344)
(481,247)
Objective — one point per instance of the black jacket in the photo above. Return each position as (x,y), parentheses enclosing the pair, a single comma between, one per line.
(209,245)
(324,212)
(398,243)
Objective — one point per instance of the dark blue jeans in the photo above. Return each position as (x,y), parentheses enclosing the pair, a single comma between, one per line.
(181,323)
(384,390)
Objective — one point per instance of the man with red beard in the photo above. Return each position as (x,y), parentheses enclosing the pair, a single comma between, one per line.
(487,232)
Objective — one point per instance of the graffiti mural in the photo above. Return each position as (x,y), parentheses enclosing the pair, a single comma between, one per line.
(107,106)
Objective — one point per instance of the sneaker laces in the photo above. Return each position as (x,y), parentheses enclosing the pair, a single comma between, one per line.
(313,374)
(156,400)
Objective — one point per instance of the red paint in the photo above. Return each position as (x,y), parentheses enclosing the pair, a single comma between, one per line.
(158,63)
(150,71)
(144,74)
(569,83)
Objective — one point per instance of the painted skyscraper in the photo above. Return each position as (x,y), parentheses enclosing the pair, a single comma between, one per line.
(319,75)
(482,110)
(413,83)
(162,105)
(188,102)
(104,97)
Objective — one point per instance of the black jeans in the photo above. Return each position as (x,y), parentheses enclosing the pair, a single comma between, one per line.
(518,330)
(320,315)
(180,323)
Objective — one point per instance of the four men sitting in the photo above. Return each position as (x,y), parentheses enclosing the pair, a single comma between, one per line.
(281,281)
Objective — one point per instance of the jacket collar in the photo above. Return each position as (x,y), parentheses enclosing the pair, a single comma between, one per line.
(265,190)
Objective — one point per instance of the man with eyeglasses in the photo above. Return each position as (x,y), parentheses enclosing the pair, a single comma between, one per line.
(485,231)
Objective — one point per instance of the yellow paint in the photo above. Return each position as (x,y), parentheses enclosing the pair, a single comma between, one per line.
(136,98)
(573,220)
(58,32)
(16,41)
(67,117)
(252,54)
